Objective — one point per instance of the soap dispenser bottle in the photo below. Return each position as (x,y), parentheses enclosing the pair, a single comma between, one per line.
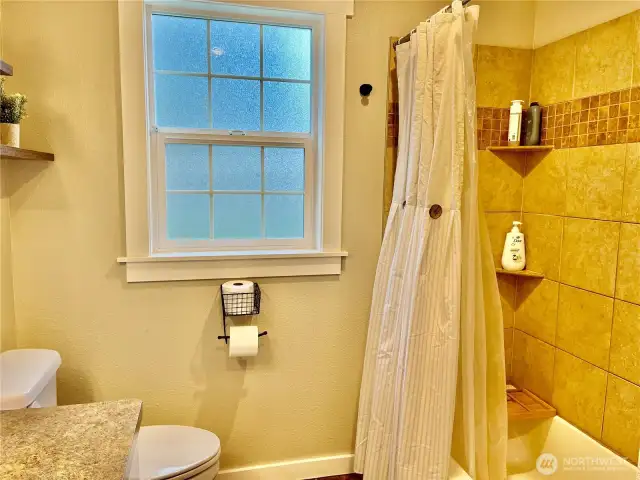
(513,257)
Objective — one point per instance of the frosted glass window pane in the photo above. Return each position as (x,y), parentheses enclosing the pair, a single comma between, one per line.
(287,52)
(188,216)
(236,168)
(237,216)
(236,104)
(182,101)
(287,107)
(187,167)
(179,44)
(235,49)
(284,169)
(284,216)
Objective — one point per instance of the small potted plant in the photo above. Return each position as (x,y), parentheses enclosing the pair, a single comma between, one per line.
(12,111)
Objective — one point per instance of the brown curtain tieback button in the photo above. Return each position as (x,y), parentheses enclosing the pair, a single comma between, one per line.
(435,211)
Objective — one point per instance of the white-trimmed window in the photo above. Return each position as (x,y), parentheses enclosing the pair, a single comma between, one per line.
(234,102)
(243,164)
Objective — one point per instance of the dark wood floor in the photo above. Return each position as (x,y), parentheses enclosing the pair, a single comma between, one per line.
(349,476)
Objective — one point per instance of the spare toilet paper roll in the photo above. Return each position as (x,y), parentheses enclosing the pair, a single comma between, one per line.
(243,341)
(238,297)
(237,286)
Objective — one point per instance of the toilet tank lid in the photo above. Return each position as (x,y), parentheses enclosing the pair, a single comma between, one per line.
(24,374)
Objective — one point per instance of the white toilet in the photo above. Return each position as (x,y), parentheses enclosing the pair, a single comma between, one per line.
(176,453)
(162,452)
(28,378)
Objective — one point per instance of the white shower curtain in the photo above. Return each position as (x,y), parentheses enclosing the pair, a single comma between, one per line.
(434,381)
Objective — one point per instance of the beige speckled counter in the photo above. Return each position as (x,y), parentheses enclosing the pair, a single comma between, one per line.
(75,442)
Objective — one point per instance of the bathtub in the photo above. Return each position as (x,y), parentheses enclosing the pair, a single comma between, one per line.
(554,449)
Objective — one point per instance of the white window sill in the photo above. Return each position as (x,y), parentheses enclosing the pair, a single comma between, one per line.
(222,265)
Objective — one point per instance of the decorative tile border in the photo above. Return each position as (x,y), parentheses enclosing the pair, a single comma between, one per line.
(604,119)
(392,124)
(493,127)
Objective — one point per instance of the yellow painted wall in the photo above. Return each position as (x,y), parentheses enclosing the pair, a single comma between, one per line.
(506,23)
(7,316)
(157,342)
(557,19)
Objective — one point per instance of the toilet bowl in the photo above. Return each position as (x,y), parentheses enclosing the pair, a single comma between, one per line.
(173,452)
(162,452)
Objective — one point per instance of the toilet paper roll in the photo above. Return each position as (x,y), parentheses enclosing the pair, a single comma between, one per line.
(243,341)
(238,297)
(237,286)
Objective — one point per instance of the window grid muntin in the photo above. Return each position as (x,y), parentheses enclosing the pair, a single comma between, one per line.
(211,192)
(310,141)
(210,75)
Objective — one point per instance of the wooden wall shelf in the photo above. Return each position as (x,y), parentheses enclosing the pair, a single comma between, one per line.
(520,273)
(5,69)
(13,153)
(524,405)
(522,149)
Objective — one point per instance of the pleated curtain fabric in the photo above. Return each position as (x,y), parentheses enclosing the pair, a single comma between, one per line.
(420,369)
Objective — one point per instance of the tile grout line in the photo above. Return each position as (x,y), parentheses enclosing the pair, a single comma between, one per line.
(579,358)
(566,216)
(613,310)
(636,304)
(555,334)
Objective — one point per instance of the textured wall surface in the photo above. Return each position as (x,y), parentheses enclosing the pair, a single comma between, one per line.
(157,342)
(557,19)
(576,332)
(7,314)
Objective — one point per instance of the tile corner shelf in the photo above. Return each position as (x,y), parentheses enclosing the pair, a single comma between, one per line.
(522,149)
(520,273)
(13,153)
(524,405)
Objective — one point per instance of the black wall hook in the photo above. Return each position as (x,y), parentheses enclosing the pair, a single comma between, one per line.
(366,89)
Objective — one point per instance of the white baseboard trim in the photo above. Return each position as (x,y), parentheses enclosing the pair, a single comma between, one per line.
(293,470)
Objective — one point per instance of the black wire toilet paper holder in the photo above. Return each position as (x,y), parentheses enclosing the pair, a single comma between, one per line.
(239,304)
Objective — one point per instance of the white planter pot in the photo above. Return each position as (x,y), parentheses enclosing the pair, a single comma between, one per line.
(10,134)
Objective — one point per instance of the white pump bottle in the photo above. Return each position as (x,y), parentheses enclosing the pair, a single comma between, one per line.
(513,255)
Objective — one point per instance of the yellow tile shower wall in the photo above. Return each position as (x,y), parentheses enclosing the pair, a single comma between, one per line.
(503,74)
(576,332)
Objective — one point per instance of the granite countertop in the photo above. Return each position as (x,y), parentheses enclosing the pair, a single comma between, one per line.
(75,442)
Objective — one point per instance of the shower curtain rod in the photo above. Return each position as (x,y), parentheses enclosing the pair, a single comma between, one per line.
(407,37)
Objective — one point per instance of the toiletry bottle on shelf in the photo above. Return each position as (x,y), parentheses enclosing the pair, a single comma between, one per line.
(515,122)
(513,256)
(532,125)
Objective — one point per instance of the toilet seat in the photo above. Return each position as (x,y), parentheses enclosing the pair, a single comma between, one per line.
(175,452)
(208,470)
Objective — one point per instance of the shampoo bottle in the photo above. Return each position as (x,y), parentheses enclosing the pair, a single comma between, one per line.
(532,125)
(513,257)
(515,122)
